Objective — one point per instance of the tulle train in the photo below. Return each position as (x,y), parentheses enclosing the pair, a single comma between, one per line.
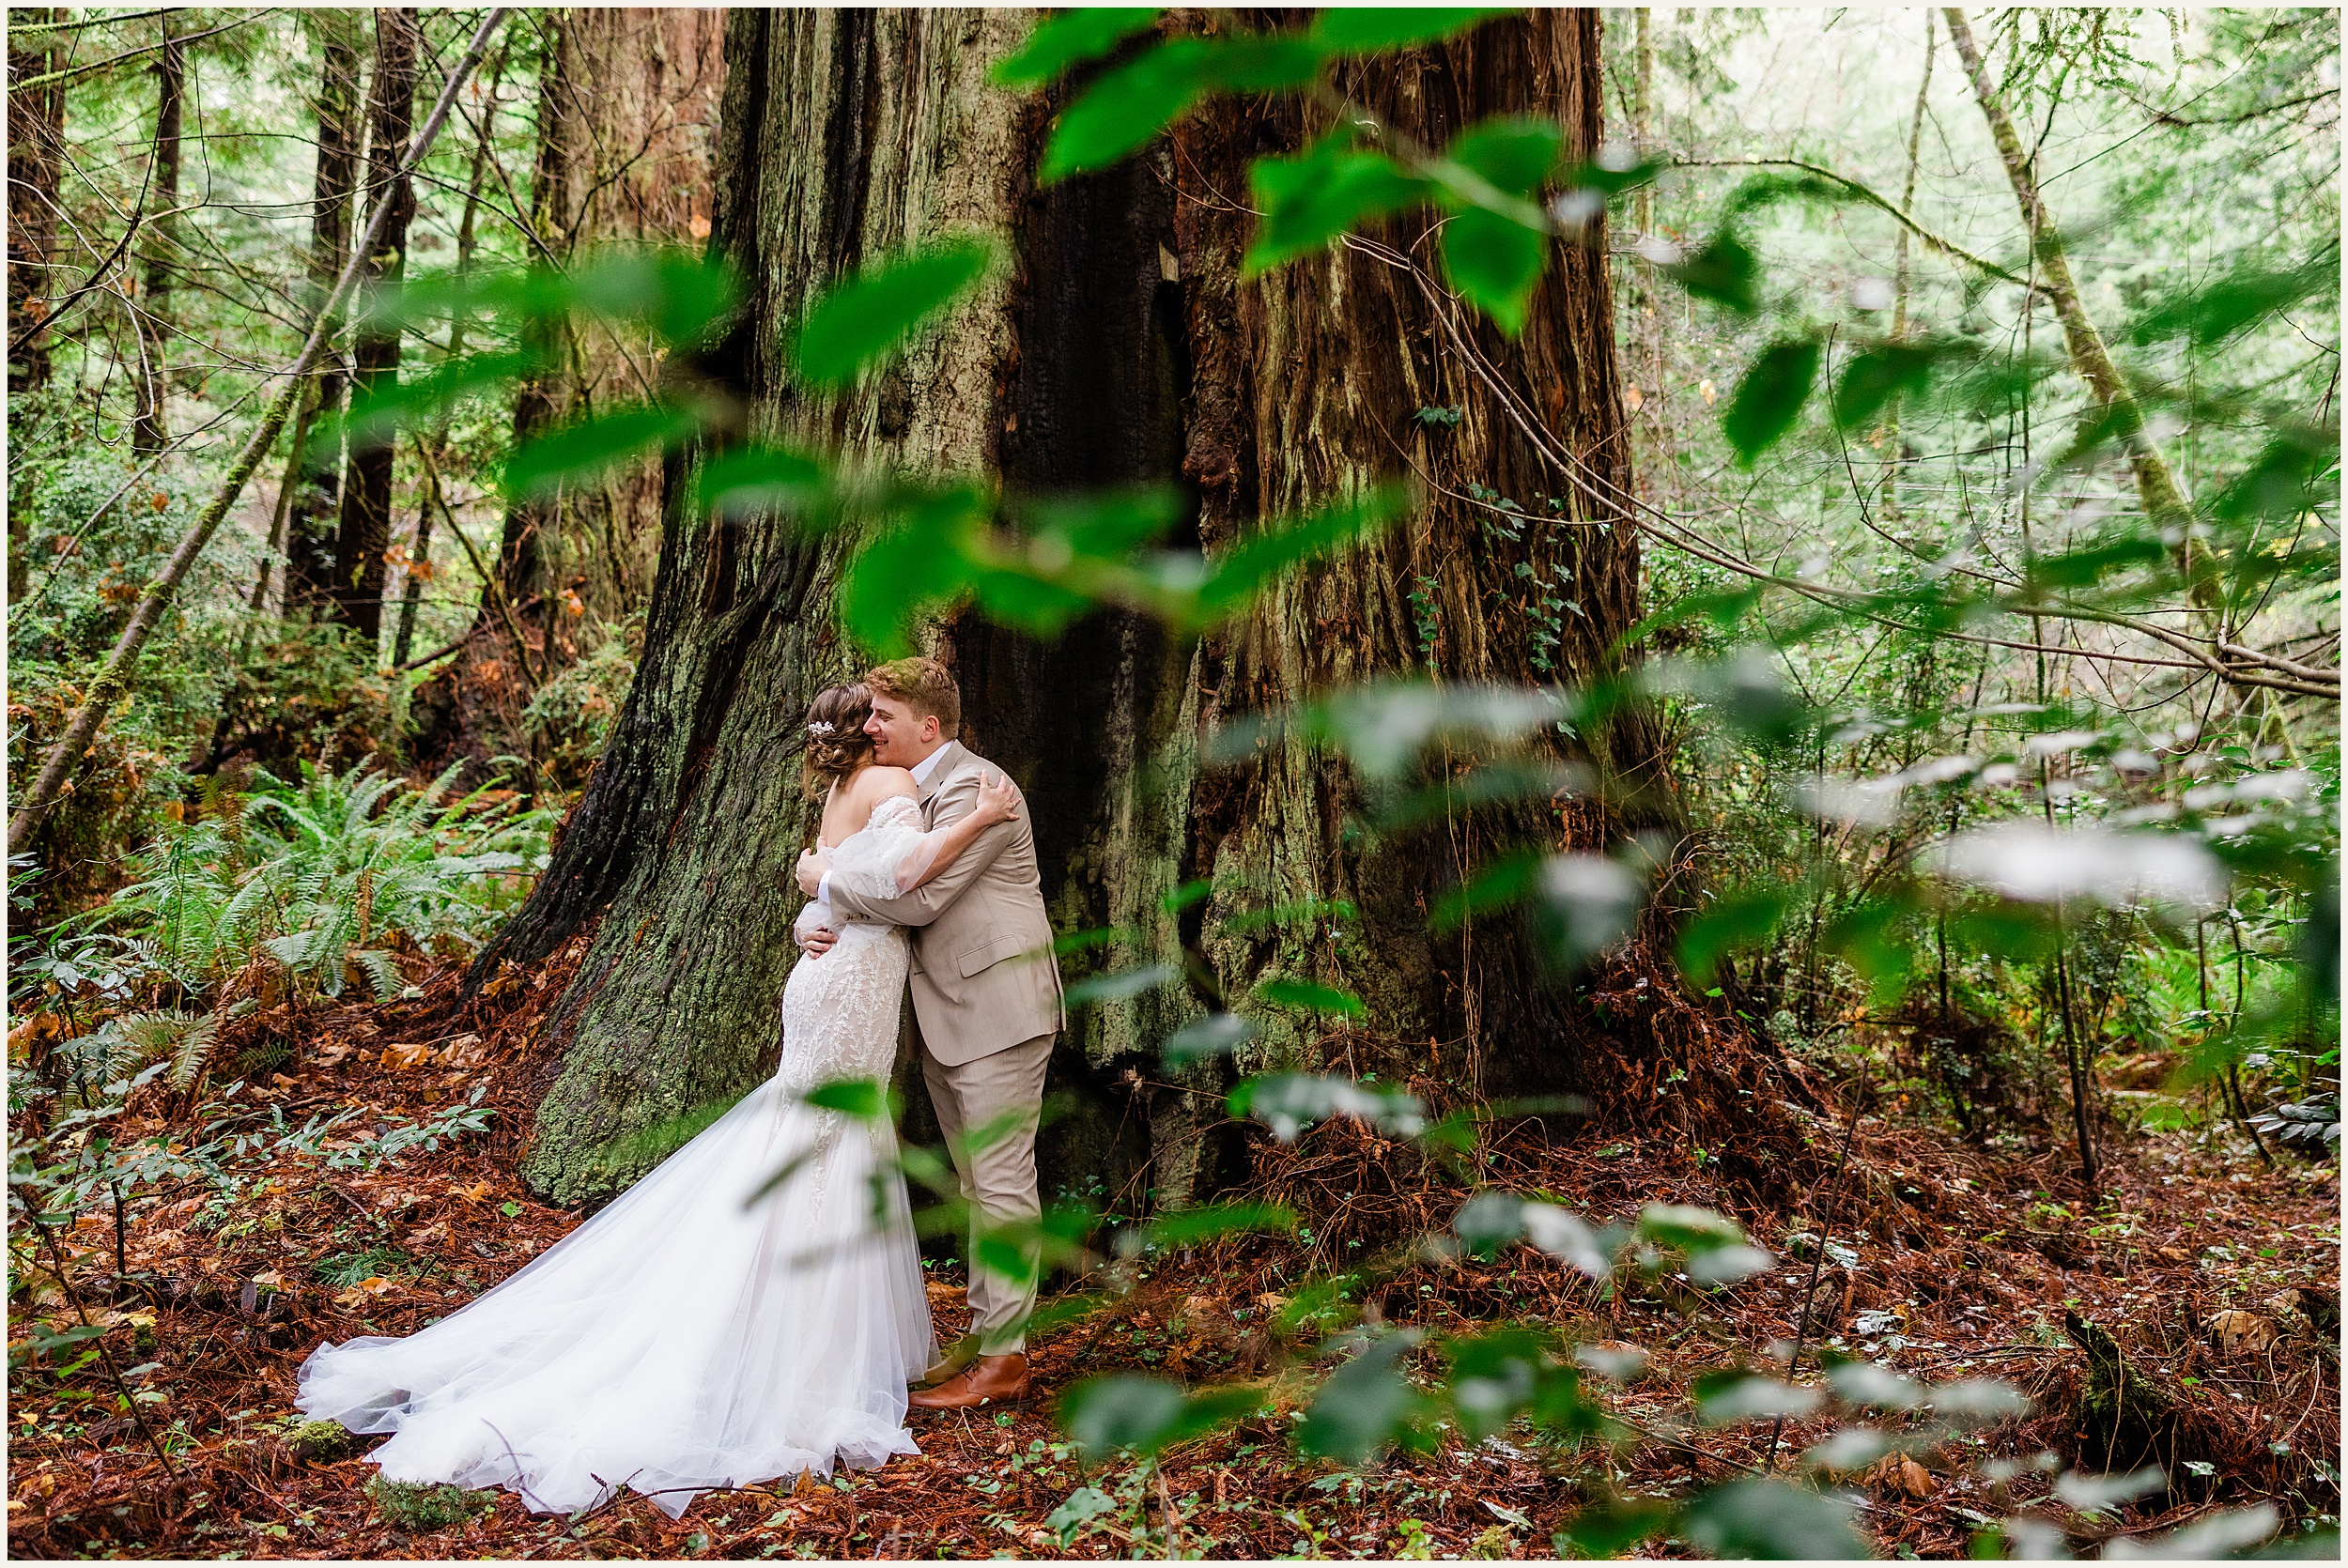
(678,1340)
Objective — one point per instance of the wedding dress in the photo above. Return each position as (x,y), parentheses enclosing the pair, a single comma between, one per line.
(691,1335)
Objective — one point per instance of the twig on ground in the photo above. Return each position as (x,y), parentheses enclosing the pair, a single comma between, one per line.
(1817,1257)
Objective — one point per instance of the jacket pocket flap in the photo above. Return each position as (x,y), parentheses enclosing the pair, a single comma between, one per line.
(990,952)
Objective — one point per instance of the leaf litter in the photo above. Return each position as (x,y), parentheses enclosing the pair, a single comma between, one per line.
(1949,1262)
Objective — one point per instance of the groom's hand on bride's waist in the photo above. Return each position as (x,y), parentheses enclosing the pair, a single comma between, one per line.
(818,941)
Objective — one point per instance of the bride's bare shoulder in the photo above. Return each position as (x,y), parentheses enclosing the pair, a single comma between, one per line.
(875,783)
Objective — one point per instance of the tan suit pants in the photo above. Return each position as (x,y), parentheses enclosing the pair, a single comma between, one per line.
(998,1181)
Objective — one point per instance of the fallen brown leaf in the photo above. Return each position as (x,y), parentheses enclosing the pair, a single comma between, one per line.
(365,1290)
(2241,1330)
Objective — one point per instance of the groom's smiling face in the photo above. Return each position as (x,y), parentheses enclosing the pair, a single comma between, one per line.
(900,738)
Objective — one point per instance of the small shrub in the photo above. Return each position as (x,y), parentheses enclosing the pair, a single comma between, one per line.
(419,1509)
(344,1270)
(571,715)
(308,685)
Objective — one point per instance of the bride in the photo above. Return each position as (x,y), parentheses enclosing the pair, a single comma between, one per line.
(711,1326)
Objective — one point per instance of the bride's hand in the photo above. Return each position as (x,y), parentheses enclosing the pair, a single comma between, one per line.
(998,800)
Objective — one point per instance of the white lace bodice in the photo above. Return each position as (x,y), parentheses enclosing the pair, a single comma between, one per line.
(877,859)
(840,1007)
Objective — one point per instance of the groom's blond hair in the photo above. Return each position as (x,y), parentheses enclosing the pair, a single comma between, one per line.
(924,685)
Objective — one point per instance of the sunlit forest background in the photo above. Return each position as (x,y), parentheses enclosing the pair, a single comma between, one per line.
(1883,599)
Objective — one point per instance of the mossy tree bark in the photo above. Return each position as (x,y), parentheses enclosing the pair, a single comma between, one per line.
(1124,346)
(628,110)
(845,133)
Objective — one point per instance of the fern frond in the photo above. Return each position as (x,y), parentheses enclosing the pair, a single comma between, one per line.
(132,1040)
(294,950)
(196,1050)
(364,793)
(383,975)
(241,917)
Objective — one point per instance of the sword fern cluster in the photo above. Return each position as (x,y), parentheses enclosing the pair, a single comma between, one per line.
(314,884)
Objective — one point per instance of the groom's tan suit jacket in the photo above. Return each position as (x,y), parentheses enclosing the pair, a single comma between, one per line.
(982,975)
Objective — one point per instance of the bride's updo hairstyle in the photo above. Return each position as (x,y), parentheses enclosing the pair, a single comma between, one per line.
(837,744)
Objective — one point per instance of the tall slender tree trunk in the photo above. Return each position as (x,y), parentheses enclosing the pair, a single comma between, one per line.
(150,431)
(317,480)
(365,529)
(468,239)
(627,122)
(2157,485)
(36,159)
(1895,455)
(1125,346)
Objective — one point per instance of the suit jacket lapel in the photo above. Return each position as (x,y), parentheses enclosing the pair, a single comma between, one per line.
(949,757)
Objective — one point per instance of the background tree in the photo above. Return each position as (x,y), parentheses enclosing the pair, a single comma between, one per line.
(35,135)
(36,155)
(628,104)
(148,432)
(312,484)
(417,562)
(363,532)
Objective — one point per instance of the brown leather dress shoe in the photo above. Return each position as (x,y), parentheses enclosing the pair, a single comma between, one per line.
(988,1380)
(958,1355)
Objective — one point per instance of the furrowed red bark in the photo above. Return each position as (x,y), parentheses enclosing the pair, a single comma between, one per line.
(627,115)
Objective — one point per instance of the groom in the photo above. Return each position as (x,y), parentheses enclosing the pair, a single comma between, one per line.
(986,1004)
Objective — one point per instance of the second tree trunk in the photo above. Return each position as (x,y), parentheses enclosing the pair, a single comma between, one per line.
(366,529)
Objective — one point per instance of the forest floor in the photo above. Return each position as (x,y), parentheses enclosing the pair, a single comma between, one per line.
(1966,1262)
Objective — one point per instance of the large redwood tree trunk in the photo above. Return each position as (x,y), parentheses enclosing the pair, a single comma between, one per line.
(1123,347)
(627,122)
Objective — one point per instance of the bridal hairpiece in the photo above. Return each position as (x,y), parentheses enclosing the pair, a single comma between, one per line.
(819,727)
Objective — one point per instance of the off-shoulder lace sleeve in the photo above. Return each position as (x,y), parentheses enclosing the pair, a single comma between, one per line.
(889,857)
